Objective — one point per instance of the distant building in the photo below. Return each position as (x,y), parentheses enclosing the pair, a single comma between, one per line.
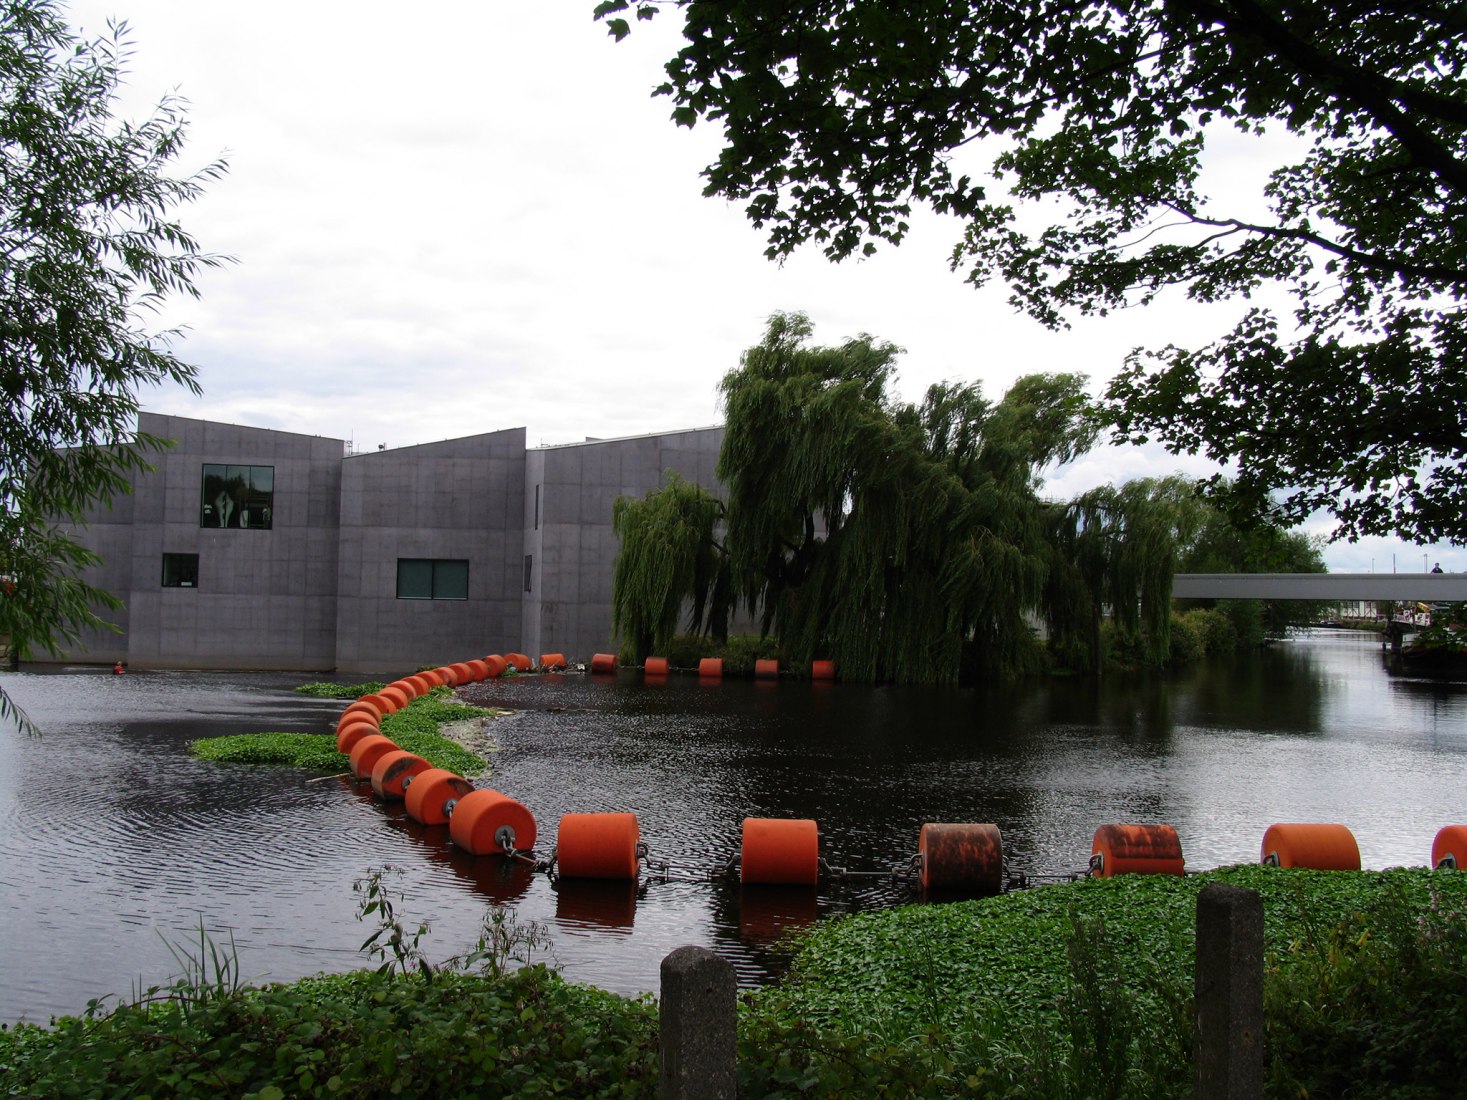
(253,548)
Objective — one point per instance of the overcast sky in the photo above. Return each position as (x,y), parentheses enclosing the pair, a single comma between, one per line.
(467,216)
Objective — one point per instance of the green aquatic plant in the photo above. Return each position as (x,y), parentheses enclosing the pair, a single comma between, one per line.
(323,690)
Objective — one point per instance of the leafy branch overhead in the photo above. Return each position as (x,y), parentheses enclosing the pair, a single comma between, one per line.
(1080,143)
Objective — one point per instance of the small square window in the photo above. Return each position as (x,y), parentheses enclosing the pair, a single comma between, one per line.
(180,570)
(432,579)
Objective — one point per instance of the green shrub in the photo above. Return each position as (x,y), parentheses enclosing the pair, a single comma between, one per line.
(1215,629)
(1186,644)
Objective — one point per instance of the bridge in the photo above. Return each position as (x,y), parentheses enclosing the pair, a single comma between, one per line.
(1328,587)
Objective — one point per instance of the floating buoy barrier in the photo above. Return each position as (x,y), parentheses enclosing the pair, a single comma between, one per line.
(348,735)
(655,666)
(423,682)
(396,696)
(711,668)
(1449,849)
(384,705)
(478,670)
(486,822)
(358,709)
(603,663)
(1320,847)
(552,662)
(496,666)
(780,851)
(822,670)
(1135,850)
(366,752)
(518,661)
(598,846)
(431,795)
(393,770)
(765,669)
(961,859)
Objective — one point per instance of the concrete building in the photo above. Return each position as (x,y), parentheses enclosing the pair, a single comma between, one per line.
(252,548)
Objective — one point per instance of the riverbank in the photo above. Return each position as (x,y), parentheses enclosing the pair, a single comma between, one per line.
(1060,990)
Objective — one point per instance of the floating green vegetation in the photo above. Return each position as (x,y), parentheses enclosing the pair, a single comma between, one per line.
(414,728)
(322,690)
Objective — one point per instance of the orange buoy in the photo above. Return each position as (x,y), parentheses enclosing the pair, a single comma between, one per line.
(1449,850)
(655,666)
(966,859)
(495,665)
(422,682)
(549,662)
(357,711)
(366,752)
(384,705)
(598,846)
(520,662)
(766,670)
(822,670)
(1135,850)
(711,668)
(603,662)
(478,669)
(433,677)
(1321,847)
(349,734)
(780,851)
(391,772)
(408,685)
(488,823)
(462,673)
(396,696)
(432,795)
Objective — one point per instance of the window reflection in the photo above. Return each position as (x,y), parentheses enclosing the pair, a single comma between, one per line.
(237,496)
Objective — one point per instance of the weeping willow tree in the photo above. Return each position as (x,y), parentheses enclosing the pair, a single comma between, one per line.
(888,536)
(903,541)
(670,556)
(1115,549)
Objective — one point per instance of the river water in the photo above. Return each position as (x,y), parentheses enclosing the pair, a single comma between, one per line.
(116,845)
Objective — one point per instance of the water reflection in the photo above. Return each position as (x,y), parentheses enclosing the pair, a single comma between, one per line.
(113,840)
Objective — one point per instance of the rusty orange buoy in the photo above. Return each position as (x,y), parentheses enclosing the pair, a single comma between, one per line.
(552,662)
(367,751)
(964,859)
(431,795)
(1320,847)
(1449,849)
(486,823)
(496,666)
(520,662)
(1135,850)
(391,772)
(603,663)
(780,851)
(598,846)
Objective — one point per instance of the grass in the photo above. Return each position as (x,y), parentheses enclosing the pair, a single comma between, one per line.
(414,728)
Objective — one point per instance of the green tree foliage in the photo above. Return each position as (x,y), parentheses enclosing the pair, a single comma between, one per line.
(87,244)
(669,555)
(1086,126)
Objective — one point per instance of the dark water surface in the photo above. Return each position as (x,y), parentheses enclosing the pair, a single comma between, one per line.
(114,842)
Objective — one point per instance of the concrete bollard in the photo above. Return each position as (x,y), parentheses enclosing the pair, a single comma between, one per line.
(1229,994)
(697,1023)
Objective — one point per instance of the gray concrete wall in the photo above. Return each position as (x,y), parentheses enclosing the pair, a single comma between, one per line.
(459,499)
(571,611)
(265,598)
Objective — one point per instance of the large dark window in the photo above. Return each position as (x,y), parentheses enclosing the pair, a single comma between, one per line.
(180,570)
(237,496)
(432,579)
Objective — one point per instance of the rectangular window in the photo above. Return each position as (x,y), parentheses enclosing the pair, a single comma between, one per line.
(432,579)
(537,510)
(237,496)
(529,569)
(180,570)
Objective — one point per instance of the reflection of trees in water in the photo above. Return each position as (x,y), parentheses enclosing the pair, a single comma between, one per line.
(1280,688)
